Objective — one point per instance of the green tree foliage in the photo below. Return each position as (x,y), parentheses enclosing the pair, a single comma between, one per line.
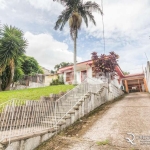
(61,65)
(30,66)
(13,62)
(126,73)
(52,71)
(12,47)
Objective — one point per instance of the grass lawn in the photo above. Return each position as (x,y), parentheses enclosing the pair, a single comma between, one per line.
(33,94)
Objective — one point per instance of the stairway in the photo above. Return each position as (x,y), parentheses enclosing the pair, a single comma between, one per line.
(20,118)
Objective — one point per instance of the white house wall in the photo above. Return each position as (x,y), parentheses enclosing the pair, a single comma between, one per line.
(78,77)
(64,76)
(147,75)
(89,72)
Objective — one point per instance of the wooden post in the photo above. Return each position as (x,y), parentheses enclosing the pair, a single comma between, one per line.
(145,85)
(126,85)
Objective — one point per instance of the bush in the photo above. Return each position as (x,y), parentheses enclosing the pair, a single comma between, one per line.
(58,81)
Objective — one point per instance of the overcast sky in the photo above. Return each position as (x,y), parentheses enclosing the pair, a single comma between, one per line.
(127,28)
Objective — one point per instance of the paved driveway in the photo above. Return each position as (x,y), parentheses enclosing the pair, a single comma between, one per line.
(130,115)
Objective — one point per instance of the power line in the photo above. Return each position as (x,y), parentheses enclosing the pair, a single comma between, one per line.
(146,56)
(103,25)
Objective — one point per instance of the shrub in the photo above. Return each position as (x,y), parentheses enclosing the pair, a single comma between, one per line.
(58,81)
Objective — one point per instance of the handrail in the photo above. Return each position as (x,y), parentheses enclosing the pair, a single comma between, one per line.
(71,90)
(75,105)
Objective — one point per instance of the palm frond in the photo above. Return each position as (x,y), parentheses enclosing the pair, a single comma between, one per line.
(12,45)
(62,19)
(83,14)
(63,2)
(92,6)
(74,12)
(91,17)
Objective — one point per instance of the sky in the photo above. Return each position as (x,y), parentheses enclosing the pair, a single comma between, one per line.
(126,22)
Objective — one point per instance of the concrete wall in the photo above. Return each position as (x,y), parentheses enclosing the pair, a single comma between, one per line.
(147,75)
(28,143)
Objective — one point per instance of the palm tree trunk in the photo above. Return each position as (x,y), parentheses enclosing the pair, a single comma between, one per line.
(12,68)
(75,54)
(10,80)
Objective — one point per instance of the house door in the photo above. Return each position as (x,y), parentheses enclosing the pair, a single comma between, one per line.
(83,75)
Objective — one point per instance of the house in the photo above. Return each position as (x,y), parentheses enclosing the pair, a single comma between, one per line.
(46,71)
(83,69)
(49,76)
(129,83)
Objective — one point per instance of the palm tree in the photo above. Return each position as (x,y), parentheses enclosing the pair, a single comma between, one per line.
(74,11)
(12,46)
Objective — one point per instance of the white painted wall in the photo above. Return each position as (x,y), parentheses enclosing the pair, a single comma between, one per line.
(89,72)
(147,75)
(64,76)
(78,77)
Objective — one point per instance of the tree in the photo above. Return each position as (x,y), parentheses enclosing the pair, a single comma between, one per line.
(105,63)
(19,73)
(61,65)
(74,11)
(31,66)
(52,71)
(12,46)
(126,73)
